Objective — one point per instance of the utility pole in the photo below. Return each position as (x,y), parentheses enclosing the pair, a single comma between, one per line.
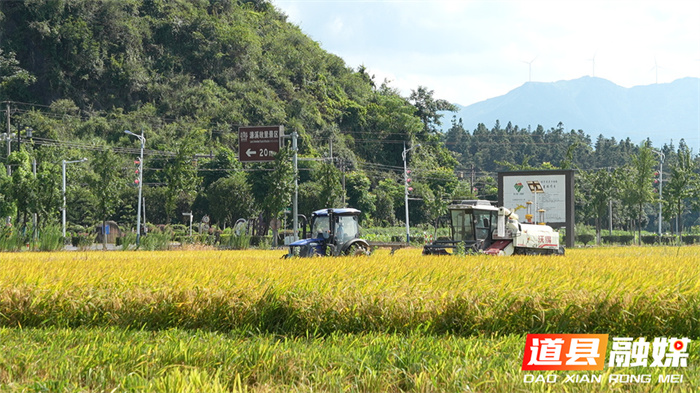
(662,157)
(295,210)
(472,179)
(405,185)
(143,207)
(610,214)
(342,166)
(138,209)
(9,143)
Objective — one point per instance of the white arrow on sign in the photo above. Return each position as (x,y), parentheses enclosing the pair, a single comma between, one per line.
(250,152)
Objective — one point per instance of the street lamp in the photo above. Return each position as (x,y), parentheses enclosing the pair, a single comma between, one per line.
(662,157)
(138,209)
(405,185)
(63,213)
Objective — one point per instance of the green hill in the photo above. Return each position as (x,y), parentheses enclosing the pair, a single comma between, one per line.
(188,73)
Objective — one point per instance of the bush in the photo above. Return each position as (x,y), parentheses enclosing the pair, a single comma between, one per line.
(668,239)
(611,239)
(260,241)
(128,241)
(84,240)
(10,240)
(626,239)
(585,238)
(691,239)
(239,242)
(155,241)
(179,230)
(650,239)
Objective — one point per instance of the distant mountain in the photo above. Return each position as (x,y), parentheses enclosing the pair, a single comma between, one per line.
(661,112)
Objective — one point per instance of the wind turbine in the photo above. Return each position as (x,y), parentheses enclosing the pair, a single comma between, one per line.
(529,65)
(656,70)
(592,60)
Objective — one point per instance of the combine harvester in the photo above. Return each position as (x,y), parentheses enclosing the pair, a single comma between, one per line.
(482,228)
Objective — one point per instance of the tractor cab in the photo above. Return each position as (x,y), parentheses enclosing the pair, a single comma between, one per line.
(471,223)
(334,232)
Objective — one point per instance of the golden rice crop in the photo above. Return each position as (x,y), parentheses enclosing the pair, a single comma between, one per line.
(624,290)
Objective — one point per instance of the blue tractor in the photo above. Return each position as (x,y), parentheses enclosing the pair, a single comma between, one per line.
(334,232)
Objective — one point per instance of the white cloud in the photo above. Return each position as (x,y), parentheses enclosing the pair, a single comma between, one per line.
(468,51)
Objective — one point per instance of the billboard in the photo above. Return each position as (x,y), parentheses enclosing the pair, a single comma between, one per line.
(552,191)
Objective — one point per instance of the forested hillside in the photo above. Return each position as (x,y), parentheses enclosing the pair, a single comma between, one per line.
(77,74)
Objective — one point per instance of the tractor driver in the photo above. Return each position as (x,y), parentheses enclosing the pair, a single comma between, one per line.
(340,232)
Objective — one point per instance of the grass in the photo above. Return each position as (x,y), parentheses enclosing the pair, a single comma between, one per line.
(626,291)
(109,359)
(211,320)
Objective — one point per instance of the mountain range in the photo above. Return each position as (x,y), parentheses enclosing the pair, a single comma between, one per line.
(662,112)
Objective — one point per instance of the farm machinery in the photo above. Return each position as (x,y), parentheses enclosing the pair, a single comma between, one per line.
(477,226)
(334,232)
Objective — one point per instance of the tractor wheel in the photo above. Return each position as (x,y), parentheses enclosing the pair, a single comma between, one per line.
(357,250)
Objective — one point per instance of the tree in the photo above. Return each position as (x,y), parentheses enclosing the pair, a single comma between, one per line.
(389,199)
(328,176)
(359,195)
(273,186)
(48,195)
(638,189)
(180,173)
(217,168)
(231,198)
(601,186)
(12,76)
(105,184)
(7,204)
(428,108)
(682,187)
(435,206)
(24,184)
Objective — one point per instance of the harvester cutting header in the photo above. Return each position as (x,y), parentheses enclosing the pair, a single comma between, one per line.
(478,226)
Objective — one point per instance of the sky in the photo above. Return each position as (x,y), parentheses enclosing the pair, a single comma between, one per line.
(468,51)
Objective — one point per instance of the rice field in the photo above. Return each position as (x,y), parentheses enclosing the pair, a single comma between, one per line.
(251,321)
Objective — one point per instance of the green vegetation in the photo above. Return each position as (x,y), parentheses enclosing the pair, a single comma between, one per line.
(256,291)
(187,74)
(65,360)
(248,321)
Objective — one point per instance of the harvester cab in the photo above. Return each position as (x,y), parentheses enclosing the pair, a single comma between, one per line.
(334,232)
(480,227)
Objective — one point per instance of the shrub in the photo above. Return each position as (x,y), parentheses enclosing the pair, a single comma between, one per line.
(650,239)
(51,238)
(585,238)
(626,239)
(691,239)
(611,239)
(155,241)
(128,241)
(239,242)
(84,240)
(10,240)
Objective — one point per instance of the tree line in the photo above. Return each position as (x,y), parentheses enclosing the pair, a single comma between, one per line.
(188,74)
